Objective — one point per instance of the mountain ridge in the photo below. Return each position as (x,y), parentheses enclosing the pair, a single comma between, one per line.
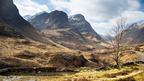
(74,29)
(11,20)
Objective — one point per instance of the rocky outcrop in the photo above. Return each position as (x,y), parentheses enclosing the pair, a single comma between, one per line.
(64,60)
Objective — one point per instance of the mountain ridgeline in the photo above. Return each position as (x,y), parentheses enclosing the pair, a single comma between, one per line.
(73,32)
(51,20)
(57,27)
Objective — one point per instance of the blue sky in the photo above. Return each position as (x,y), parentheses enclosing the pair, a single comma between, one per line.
(41,1)
(102,14)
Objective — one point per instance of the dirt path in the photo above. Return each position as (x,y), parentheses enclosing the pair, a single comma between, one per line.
(121,77)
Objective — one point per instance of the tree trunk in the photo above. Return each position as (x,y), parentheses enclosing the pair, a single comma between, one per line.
(117,59)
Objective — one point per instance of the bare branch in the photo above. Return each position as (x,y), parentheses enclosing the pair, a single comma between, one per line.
(118,31)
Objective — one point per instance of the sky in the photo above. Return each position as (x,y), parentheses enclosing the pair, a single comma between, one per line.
(101,14)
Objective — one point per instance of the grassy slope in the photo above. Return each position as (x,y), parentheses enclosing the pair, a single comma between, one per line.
(11,47)
(12,50)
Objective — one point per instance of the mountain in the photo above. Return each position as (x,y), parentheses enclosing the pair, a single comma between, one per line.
(11,23)
(27,17)
(79,24)
(73,32)
(18,52)
(135,34)
(49,20)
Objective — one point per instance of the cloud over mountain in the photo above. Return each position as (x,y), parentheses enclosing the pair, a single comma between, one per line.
(29,7)
(102,14)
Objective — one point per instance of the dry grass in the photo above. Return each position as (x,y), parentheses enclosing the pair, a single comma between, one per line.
(17,62)
(133,73)
(11,46)
(28,52)
(12,52)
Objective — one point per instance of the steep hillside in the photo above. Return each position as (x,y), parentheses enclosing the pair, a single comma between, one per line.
(73,32)
(17,52)
(12,22)
(81,25)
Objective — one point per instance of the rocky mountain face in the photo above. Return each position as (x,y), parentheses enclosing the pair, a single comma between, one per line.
(135,34)
(11,23)
(73,32)
(51,20)
(79,23)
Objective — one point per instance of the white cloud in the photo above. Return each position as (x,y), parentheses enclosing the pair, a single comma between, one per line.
(98,9)
(28,7)
(102,14)
(133,16)
(134,4)
(130,16)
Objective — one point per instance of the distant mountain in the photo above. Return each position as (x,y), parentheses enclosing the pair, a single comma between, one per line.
(74,31)
(49,20)
(135,34)
(27,17)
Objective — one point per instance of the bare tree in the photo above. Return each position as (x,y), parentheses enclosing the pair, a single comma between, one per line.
(118,32)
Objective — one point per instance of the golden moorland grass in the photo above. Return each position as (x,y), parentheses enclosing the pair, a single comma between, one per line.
(133,73)
(12,49)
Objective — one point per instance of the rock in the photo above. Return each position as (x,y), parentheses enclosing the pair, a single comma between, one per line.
(67,60)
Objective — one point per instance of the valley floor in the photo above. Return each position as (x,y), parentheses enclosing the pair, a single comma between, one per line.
(127,73)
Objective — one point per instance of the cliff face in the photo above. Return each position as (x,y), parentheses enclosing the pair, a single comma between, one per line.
(11,19)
